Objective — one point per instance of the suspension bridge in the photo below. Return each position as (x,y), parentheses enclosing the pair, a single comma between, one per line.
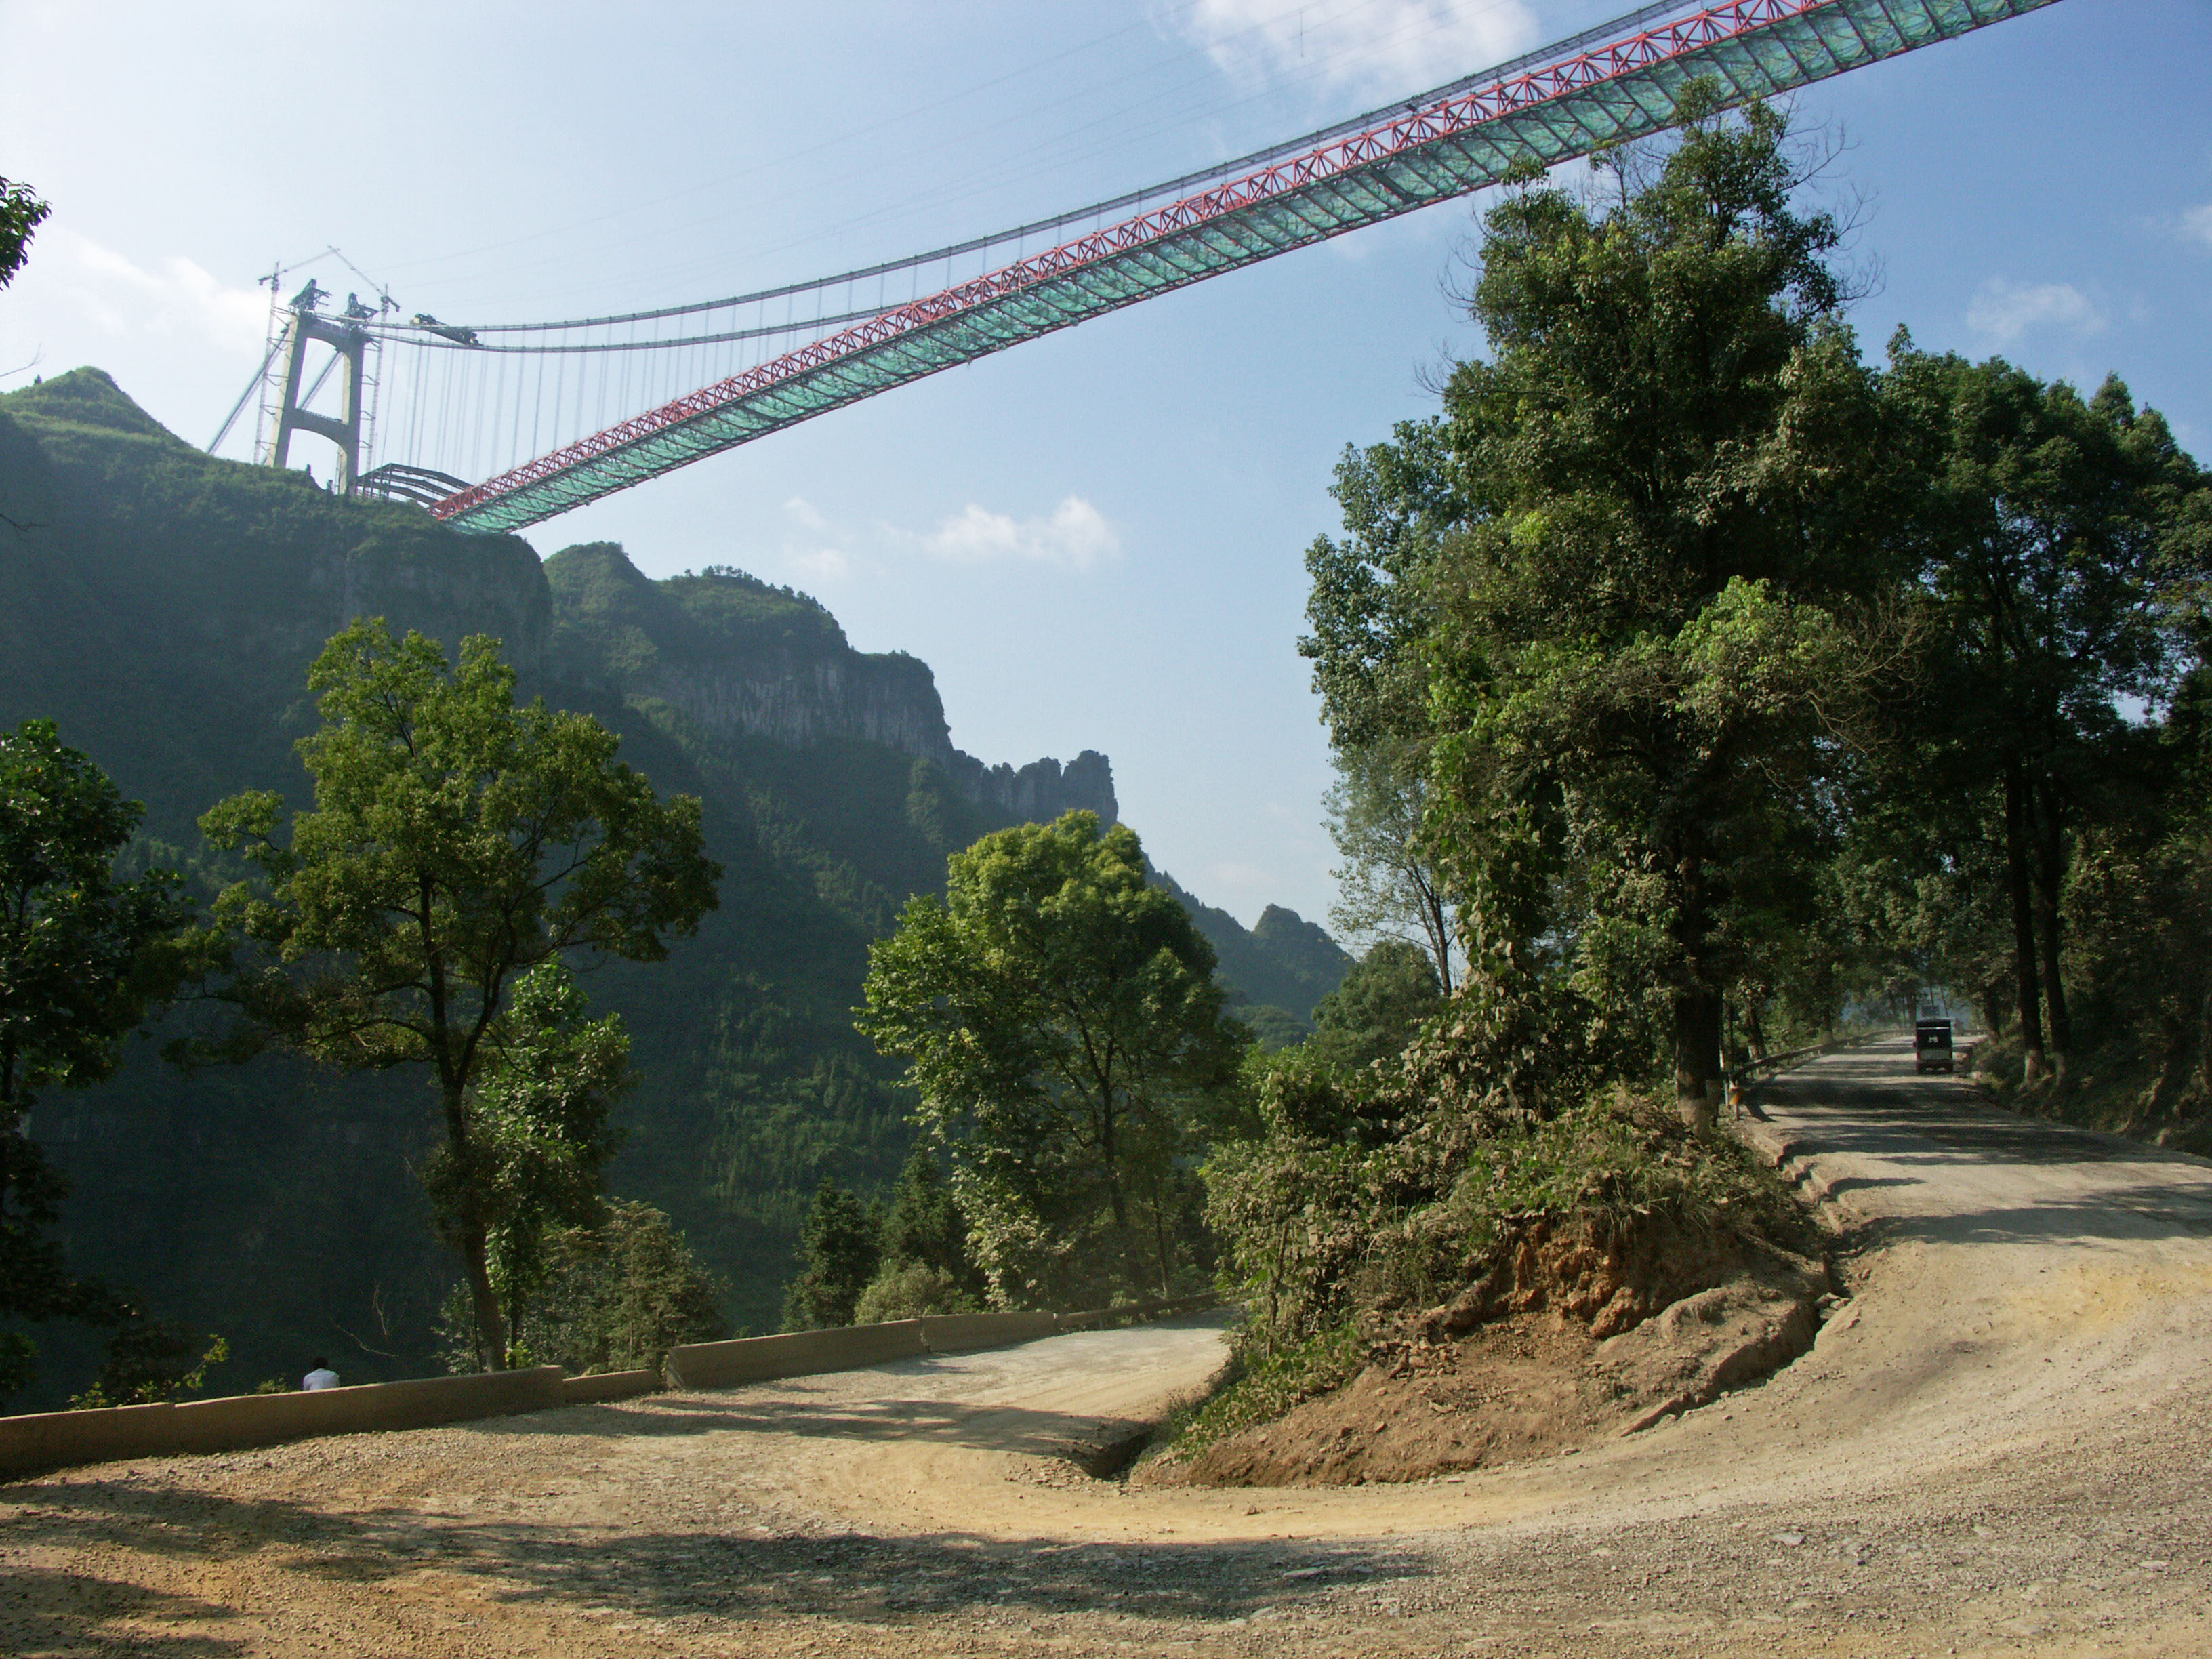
(497,426)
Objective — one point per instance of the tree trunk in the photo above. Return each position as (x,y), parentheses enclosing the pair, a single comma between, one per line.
(491,1327)
(468,1234)
(1755,1031)
(1160,1238)
(2050,886)
(2023,924)
(1697,1057)
(1697,1000)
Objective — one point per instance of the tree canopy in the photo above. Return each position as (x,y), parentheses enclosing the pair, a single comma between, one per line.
(1059,1020)
(458,842)
(21,213)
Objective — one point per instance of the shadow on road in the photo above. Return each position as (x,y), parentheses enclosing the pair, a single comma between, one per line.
(642,1574)
(1867,1104)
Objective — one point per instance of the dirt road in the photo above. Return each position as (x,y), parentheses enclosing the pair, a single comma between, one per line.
(1998,1445)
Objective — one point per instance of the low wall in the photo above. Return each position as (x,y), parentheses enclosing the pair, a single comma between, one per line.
(849,1347)
(53,1439)
(969,1333)
(797,1353)
(608,1385)
(1131,1313)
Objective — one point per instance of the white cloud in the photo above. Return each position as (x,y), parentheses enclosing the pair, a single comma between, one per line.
(2004,311)
(2196,224)
(822,564)
(120,297)
(1076,536)
(804,514)
(1385,48)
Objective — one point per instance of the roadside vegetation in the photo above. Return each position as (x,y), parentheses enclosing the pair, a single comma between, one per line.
(1696,685)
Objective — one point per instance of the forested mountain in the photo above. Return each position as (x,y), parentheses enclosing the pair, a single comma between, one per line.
(162,607)
(1283,963)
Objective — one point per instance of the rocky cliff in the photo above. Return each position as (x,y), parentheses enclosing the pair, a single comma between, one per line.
(731,656)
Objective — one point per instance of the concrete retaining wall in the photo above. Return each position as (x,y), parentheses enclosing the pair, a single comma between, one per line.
(1133,1313)
(608,1385)
(799,1353)
(968,1333)
(813,1354)
(55,1439)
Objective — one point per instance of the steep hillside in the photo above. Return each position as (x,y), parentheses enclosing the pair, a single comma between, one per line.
(725,657)
(162,607)
(1283,962)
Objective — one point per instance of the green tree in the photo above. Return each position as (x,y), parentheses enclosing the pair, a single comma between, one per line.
(540,1140)
(151,1360)
(1641,663)
(926,1267)
(1384,1000)
(1059,1020)
(2053,528)
(84,957)
(1390,886)
(840,1247)
(1371,607)
(615,1296)
(924,1226)
(21,213)
(458,841)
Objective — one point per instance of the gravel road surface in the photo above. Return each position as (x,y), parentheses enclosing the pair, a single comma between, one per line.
(1998,1445)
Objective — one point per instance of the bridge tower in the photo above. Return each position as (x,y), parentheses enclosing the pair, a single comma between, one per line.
(346,339)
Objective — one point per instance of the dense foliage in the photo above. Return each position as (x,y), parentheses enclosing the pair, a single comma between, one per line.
(1062,1029)
(1711,683)
(614,1296)
(85,954)
(458,847)
(21,213)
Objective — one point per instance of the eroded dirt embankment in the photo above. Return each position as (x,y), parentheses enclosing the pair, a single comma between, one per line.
(1999,1446)
(1582,1330)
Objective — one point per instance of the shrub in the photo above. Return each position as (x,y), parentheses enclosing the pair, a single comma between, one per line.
(909,1291)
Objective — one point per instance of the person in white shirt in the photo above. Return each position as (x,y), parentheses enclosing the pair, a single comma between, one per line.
(321,1375)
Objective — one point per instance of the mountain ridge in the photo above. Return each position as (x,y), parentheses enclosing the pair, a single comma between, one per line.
(162,607)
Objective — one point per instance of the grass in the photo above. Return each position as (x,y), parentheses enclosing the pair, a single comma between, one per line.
(1257,1388)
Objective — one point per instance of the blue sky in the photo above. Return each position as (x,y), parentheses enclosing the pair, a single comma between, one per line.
(1095,539)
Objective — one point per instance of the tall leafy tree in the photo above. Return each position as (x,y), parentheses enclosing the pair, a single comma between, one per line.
(542,1137)
(2056,528)
(1390,886)
(1059,1020)
(458,841)
(1638,665)
(1369,606)
(84,956)
(1380,1006)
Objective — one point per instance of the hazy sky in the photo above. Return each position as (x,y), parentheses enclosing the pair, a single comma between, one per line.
(1095,539)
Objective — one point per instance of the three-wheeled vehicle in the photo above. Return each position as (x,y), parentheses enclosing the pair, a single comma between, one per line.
(1931,1045)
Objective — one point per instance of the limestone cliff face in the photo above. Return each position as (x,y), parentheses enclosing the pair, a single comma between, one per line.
(734,656)
(781,694)
(1043,789)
